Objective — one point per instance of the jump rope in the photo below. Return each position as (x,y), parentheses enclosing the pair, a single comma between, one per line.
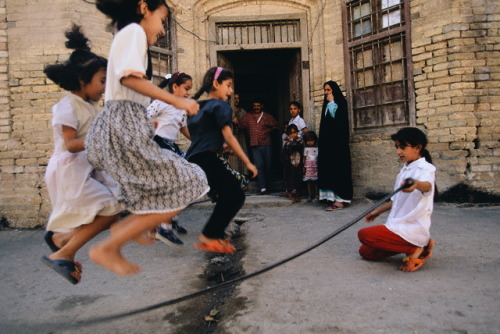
(407,184)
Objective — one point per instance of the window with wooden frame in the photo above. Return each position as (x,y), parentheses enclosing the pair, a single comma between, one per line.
(163,55)
(378,63)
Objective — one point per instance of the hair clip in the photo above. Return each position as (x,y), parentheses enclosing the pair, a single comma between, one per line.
(168,76)
(218,72)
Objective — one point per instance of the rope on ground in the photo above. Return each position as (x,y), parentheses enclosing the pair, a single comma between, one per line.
(408,183)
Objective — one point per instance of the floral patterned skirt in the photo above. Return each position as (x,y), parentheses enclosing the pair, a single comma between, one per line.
(151,179)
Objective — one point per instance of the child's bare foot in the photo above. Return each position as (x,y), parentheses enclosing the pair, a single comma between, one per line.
(112,260)
(146,239)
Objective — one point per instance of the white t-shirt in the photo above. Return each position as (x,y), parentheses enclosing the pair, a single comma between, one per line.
(410,216)
(301,124)
(128,57)
(170,119)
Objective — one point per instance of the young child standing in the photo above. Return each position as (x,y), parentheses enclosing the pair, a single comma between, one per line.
(407,227)
(311,164)
(155,184)
(169,122)
(209,129)
(293,152)
(295,109)
(82,199)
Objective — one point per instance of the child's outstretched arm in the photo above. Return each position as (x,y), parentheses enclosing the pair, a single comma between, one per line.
(372,215)
(72,143)
(147,88)
(423,186)
(233,144)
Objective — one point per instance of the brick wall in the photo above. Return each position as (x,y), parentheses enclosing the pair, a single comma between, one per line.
(455,47)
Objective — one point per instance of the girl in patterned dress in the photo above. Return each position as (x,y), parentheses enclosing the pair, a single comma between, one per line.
(209,129)
(311,164)
(155,184)
(83,204)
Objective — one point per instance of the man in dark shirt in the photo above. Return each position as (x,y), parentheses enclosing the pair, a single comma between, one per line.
(259,125)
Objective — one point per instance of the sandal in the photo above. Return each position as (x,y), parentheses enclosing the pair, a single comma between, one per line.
(68,269)
(427,253)
(333,207)
(216,246)
(47,236)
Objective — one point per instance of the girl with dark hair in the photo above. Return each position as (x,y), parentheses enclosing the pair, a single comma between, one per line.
(168,122)
(334,159)
(407,227)
(311,164)
(209,130)
(293,153)
(155,184)
(83,204)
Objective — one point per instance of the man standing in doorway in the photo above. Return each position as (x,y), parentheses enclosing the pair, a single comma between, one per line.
(259,125)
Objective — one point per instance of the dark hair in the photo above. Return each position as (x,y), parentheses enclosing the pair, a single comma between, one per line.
(297,104)
(81,65)
(413,137)
(291,127)
(177,78)
(207,84)
(310,136)
(124,12)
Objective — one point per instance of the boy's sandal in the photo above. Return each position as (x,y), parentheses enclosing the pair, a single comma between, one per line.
(216,246)
(47,236)
(68,269)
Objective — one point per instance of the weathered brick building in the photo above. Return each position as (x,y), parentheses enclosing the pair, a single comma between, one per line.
(429,63)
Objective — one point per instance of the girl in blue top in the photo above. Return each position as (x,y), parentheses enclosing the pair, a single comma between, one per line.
(209,129)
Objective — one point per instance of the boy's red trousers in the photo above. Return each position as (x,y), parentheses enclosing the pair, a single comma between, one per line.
(378,242)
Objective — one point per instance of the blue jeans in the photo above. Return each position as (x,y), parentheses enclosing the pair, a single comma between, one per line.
(261,156)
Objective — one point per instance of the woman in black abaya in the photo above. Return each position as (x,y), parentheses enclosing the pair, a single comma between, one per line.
(334,156)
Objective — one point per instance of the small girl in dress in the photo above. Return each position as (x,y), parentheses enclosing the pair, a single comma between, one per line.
(293,152)
(311,164)
(82,199)
(155,184)
(209,130)
(407,227)
(169,122)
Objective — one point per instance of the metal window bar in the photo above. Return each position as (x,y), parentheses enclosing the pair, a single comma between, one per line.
(281,31)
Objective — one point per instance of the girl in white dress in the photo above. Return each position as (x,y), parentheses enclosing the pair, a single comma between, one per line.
(155,184)
(82,199)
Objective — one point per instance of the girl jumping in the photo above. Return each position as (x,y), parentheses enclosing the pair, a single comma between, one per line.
(82,198)
(209,129)
(407,227)
(169,122)
(155,184)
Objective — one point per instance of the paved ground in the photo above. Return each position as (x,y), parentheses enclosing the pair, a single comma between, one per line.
(328,290)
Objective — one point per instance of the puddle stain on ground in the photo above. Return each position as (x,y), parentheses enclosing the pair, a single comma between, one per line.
(192,317)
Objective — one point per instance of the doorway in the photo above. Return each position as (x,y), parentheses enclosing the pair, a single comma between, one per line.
(272,76)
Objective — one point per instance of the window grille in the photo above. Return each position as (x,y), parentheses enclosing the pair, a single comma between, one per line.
(163,56)
(258,32)
(378,52)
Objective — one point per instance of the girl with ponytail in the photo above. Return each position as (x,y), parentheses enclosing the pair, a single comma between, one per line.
(407,227)
(210,129)
(82,198)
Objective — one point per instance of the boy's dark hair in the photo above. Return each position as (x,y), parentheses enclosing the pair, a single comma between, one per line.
(177,78)
(297,104)
(207,84)
(124,12)
(81,65)
(291,127)
(411,136)
(310,136)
